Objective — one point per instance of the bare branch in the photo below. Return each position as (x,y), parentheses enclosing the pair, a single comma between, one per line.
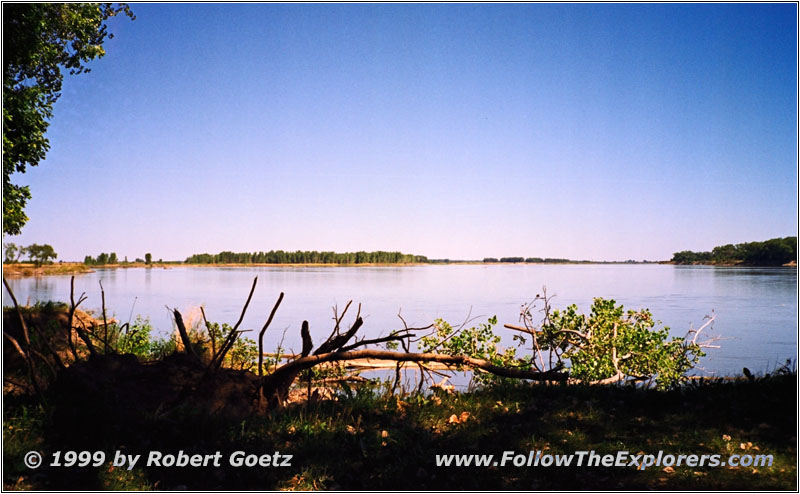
(24,326)
(520,329)
(339,341)
(264,330)
(244,309)
(105,322)
(395,337)
(701,328)
(210,333)
(26,354)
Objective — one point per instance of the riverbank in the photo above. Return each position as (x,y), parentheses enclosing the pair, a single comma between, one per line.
(29,269)
(742,264)
(367,441)
(369,435)
(65,268)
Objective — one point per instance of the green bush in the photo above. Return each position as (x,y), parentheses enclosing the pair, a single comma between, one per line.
(611,341)
(609,344)
(477,342)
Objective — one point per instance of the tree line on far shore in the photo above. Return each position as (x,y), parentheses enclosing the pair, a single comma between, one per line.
(103,258)
(305,257)
(773,252)
(529,259)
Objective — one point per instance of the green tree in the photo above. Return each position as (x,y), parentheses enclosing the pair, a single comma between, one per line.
(41,254)
(13,251)
(112,258)
(148,258)
(39,41)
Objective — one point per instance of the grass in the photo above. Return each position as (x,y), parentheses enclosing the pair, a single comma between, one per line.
(373,441)
(29,269)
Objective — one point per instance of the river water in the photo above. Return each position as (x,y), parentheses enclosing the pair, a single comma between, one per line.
(756,308)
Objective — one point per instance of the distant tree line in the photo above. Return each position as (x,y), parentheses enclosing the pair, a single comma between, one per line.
(103,259)
(773,252)
(528,259)
(305,257)
(37,254)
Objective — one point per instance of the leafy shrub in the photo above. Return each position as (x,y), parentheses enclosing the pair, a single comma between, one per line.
(137,339)
(611,341)
(608,345)
(477,342)
(244,353)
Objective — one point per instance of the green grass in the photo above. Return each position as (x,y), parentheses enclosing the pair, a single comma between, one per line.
(379,442)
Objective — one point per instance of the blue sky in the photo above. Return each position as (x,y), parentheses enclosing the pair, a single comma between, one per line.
(587,131)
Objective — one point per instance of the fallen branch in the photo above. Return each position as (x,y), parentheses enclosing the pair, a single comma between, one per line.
(277,384)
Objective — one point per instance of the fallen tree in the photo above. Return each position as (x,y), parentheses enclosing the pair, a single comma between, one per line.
(608,346)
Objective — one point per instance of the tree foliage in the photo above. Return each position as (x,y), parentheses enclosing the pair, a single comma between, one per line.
(611,341)
(12,252)
(773,252)
(606,346)
(101,259)
(305,257)
(40,254)
(477,342)
(39,41)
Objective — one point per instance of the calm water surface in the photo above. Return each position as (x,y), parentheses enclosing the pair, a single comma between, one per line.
(756,308)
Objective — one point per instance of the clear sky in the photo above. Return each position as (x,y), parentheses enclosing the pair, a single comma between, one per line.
(587,131)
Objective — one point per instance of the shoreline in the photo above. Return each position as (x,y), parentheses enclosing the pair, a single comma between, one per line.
(22,270)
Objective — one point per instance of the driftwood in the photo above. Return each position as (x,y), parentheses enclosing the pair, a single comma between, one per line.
(344,346)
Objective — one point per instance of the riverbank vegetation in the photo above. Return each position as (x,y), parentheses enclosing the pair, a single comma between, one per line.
(773,252)
(306,257)
(554,260)
(36,253)
(30,269)
(369,439)
(568,383)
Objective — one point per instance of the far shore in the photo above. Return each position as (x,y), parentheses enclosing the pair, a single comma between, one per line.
(26,269)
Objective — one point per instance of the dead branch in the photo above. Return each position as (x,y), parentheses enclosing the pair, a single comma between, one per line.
(211,337)
(216,360)
(520,329)
(337,342)
(701,328)
(307,343)
(261,335)
(385,339)
(244,309)
(280,380)
(24,326)
(26,354)
(72,308)
(187,343)
(16,345)
(105,322)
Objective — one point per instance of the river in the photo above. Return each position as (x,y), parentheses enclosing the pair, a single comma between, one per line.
(756,308)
